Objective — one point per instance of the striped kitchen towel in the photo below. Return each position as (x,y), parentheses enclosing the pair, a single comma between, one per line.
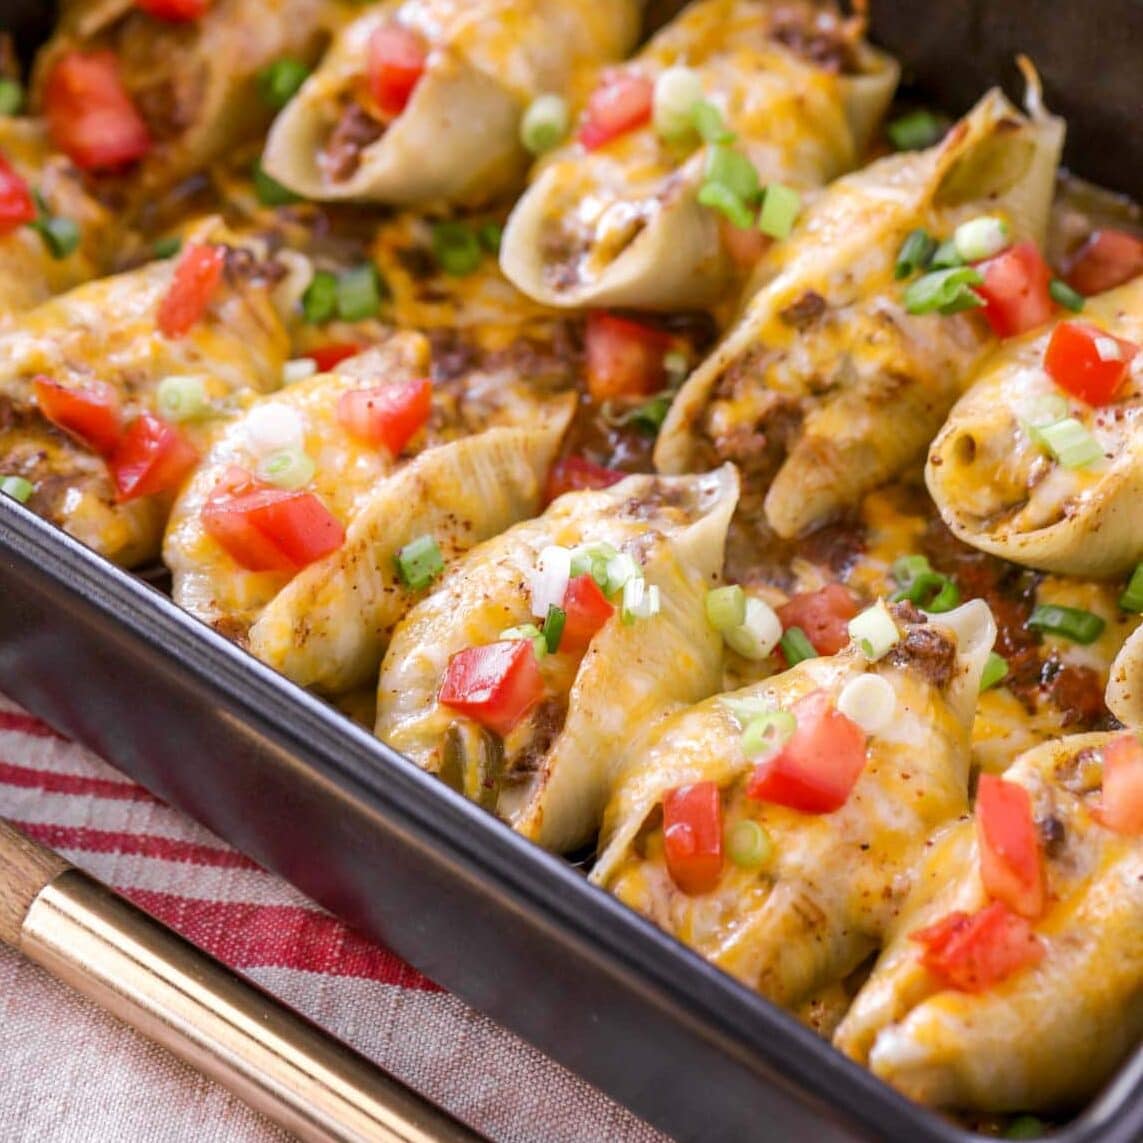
(71,1074)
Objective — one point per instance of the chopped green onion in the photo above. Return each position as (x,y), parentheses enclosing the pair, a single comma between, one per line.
(995,670)
(677,91)
(1063,295)
(915,254)
(676,365)
(747,708)
(289,468)
(319,302)
(545,123)
(279,82)
(874,631)
(1069,442)
(930,591)
(727,203)
(767,732)
(870,701)
(650,416)
(982,237)
(1068,622)
(639,600)
(945,257)
(708,123)
(1045,409)
(358,293)
(621,570)
(781,206)
(748,845)
(489,236)
(167,247)
(527,631)
(944,291)
(60,235)
(1025,1127)
(592,559)
(796,646)
(270,192)
(733,170)
(419,562)
(726,607)
(11,96)
(1132,597)
(456,249)
(917,130)
(905,569)
(554,628)
(758,634)
(17,488)
(180,399)
(298,369)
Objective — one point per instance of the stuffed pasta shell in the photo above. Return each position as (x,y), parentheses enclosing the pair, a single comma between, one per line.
(111,390)
(840,763)
(422,99)
(319,514)
(1014,976)
(840,372)
(124,90)
(791,95)
(529,676)
(54,235)
(1041,461)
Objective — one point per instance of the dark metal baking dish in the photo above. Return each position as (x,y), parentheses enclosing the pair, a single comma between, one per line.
(513,931)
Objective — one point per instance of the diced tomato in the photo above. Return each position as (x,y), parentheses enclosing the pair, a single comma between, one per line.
(621,103)
(90,115)
(90,414)
(624,358)
(1106,260)
(151,457)
(16,204)
(389,415)
(575,473)
(817,768)
(174,11)
(265,528)
(823,615)
(1015,290)
(196,277)
(1011,866)
(397,58)
(1073,361)
(329,357)
(972,952)
(692,836)
(587,610)
(495,685)
(1122,806)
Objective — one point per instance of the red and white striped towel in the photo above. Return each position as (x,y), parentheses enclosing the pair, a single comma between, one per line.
(71,1073)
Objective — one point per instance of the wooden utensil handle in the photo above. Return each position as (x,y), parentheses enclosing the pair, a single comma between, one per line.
(275,1060)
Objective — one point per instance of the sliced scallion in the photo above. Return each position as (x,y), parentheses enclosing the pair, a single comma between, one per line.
(167,247)
(527,632)
(781,206)
(11,96)
(905,569)
(747,707)
(456,248)
(279,82)
(758,634)
(914,255)
(874,631)
(995,670)
(179,399)
(709,124)
(677,90)
(621,570)
(1132,597)
(945,257)
(917,130)
(60,235)
(270,192)
(592,559)
(640,600)
(870,701)
(944,291)
(727,203)
(419,562)
(796,646)
(549,582)
(554,628)
(1063,295)
(358,293)
(748,845)
(17,488)
(1070,442)
(489,236)
(930,591)
(982,237)
(733,170)
(1043,409)
(545,123)
(289,468)
(1068,622)
(319,302)
(767,732)
(726,607)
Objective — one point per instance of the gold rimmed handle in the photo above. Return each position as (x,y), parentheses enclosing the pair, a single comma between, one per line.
(269,1056)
